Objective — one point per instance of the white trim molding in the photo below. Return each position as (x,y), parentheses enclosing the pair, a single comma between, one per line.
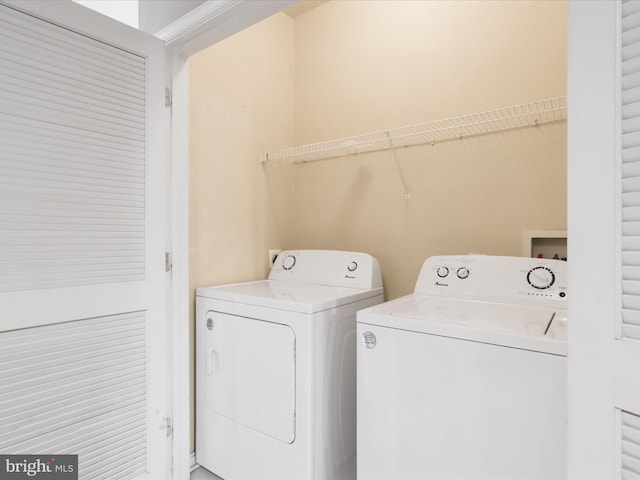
(216,20)
(194,465)
(195,19)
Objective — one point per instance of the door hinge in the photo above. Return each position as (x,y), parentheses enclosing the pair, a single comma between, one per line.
(167,262)
(168,424)
(167,97)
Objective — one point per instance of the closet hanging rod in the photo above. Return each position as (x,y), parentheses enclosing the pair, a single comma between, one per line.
(492,121)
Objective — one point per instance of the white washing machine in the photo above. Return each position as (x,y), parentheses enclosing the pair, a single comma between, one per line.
(276,368)
(466,378)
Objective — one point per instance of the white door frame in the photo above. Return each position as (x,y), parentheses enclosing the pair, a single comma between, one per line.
(594,300)
(205,25)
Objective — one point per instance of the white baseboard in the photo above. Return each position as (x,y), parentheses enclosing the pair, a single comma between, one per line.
(194,465)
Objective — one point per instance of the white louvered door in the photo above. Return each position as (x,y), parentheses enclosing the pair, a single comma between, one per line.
(627,343)
(84,205)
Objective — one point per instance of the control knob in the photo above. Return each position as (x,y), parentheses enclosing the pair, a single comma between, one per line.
(352,266)
(541,277)
(442,272)
(288,262)
(463,272)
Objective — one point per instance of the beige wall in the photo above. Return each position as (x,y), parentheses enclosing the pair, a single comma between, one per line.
(350,67)
(469,196)
(366,66)
(240,103)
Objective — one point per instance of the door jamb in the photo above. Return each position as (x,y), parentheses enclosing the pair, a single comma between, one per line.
(195,31)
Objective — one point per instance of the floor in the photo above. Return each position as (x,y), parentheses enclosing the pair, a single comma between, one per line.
(203,474)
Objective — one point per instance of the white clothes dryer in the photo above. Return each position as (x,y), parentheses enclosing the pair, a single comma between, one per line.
(466,378)
(276,368)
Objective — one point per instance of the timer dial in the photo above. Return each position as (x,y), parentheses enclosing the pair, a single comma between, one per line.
(541,277)
(352,266)
(463,272)
(442,272)
(288,262)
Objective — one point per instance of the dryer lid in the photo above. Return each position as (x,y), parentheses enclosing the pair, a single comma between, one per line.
(290,296)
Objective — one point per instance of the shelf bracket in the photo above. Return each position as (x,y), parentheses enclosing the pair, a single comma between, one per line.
(407,193)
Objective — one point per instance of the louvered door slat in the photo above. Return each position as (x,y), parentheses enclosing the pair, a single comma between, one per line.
(633,318)
(630,446)
(52,129)
(81,54)
(72,126)
(94,372)
(626,347)
(630,171)
(630,65)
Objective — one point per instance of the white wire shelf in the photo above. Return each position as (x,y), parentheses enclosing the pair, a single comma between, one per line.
(492,121)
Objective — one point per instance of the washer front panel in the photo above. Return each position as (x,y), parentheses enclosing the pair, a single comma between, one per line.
(437,407)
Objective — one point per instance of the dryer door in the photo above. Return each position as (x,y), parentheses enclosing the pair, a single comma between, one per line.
(250,373)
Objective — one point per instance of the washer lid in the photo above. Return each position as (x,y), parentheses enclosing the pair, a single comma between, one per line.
(530,328)
(290,296)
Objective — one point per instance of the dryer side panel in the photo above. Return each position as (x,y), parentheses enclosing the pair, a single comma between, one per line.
(249,369)
(335,359)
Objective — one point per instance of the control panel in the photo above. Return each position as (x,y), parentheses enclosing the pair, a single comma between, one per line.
(532,281)
(327,267)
